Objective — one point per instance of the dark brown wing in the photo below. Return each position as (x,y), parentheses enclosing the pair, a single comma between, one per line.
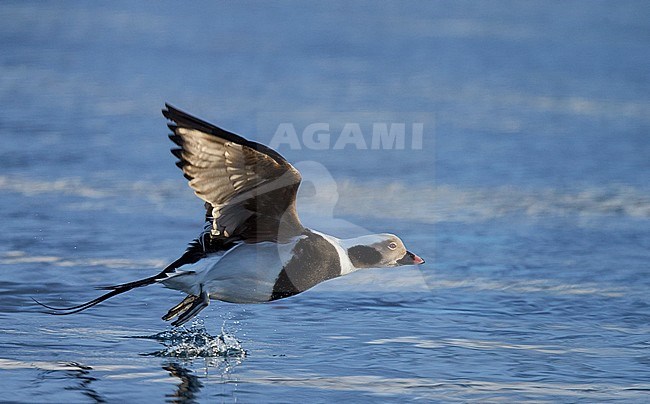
(249,189)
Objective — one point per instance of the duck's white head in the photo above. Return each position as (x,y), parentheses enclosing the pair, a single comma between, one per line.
(379,251)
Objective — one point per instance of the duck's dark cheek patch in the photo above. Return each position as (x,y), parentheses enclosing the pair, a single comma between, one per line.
(364,256)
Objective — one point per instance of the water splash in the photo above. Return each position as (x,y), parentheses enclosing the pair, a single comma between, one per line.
(196,342)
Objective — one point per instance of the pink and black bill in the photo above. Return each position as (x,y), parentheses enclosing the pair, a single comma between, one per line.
(410,259)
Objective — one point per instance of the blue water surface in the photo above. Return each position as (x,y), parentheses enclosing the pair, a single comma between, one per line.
(529,197)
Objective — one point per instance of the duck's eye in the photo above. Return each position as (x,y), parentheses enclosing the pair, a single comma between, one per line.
(392,245)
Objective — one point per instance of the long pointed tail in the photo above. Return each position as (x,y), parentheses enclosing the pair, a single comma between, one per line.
(193,253)
(114,291)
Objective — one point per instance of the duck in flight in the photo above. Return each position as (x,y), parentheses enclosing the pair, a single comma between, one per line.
(253,248)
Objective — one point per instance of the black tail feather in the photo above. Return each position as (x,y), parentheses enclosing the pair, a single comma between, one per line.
(136,284)
(63,311)
(194,252)
(114,291)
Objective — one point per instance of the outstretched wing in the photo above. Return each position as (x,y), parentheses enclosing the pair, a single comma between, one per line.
(249,189)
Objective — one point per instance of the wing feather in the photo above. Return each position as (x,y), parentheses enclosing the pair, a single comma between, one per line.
(249,189)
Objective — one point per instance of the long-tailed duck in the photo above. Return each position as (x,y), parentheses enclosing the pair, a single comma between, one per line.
(253,247)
